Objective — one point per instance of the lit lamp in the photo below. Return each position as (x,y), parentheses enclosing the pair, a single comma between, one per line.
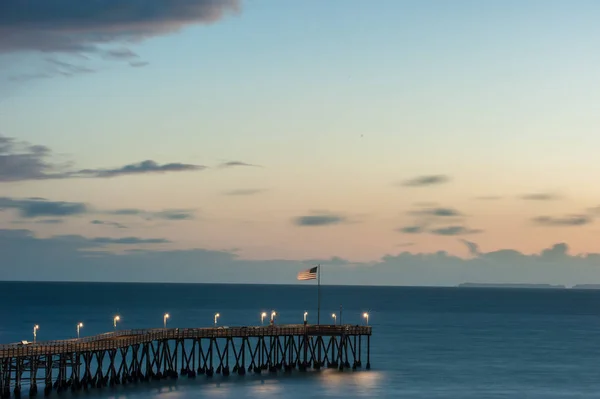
(35,328)
(273,314)
(305,314)
(333,315)
(366,316)
(165,317)
(79,325)
(262,317)
(117,318)
(216,317)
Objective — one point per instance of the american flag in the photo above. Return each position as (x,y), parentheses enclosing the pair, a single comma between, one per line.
(308,274)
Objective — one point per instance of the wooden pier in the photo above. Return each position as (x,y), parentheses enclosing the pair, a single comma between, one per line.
(131,356)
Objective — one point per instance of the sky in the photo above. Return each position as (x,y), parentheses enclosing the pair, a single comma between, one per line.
(394,142)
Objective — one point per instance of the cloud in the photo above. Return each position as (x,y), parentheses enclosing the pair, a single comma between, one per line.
(167,214)
(540,197)
(107,223)
(67,258)
(250,191)
(572,220)
(429,180)
(411,229)
(323,219)
(32,208)
(437,212)
(489,198)
(53,67)
(138,64)
(472,247)
(232,164)
(454,231)
(99,27)
(130,240)
(21,161)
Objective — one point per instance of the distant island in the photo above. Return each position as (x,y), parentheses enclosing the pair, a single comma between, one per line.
(586,287)
(515,285)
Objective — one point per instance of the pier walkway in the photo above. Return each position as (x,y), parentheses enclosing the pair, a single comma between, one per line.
(131,356)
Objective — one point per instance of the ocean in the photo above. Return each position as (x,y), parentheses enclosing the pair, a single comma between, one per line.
(426,343)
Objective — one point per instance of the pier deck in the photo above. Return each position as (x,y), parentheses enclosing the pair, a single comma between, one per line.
(130,356)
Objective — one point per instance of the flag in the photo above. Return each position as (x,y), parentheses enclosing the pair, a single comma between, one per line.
(309,274)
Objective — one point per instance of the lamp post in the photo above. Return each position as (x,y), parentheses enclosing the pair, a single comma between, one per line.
(115,319)
(366,316)
(273,314)
(216,317)
(35,328)
(262,317)
(165,317)
(334,316)
(79,325)
(305,314)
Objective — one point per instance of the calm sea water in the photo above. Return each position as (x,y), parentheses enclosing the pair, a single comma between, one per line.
(427,342)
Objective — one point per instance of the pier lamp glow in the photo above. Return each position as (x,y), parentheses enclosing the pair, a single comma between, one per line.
(262,317)
(35,328)
(334,317)
(305,314)
(165,317)
(79,325)
(366,317)
(273,314)
(116,318)
(216,317)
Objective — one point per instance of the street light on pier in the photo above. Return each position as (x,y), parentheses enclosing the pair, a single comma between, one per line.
(262,317)
(35,328)
(79,325)
(216,317)
(165,317)
(273,314)
(366,316)
(334,316)
(117,318)
(305,314)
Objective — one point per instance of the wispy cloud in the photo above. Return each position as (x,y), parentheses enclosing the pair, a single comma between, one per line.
(108,223)
(411,229)
(232,164)
(437,212)
(32,208)
(428,180)
(249,191)
(321,219)
(130,240)
(167,214)
(20,161)
(571,220)
(540,197)
(454,231)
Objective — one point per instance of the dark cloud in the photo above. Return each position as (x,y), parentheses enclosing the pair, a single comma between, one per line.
(130,240)
(540,197)
(108,223)
(454,231)
(144,167)
(53,67)
(232,164)
(437,212)
(20,161)
(411,229)
(167,214)
(319,220)
(249,191)
(472,247)
(32,208)
(67,258)
(428,180)
(571,220)
(77,27)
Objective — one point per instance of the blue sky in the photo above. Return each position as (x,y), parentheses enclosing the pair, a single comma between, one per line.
(261,116)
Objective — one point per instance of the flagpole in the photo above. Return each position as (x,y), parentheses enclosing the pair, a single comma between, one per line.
(318,294)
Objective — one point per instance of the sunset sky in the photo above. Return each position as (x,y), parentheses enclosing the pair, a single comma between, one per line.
(241,141)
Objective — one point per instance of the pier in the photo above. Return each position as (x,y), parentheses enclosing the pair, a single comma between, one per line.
(133,356)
